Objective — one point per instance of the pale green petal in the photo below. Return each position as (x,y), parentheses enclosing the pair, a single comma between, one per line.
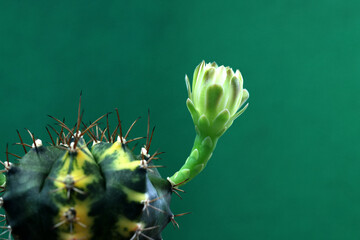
(214,95)
(220,121)
(198,77)
(234,95)
(193,112)
(187,82)
(245,96)
(201,93)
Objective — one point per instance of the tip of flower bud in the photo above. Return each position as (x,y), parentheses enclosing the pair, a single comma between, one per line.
(213,64)
(238,74)
(215,89)
(209,74)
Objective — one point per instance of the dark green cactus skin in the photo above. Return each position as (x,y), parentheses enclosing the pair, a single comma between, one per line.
(105,199)
(26,197)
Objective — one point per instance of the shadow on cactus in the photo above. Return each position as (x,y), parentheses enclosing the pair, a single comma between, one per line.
(89,184)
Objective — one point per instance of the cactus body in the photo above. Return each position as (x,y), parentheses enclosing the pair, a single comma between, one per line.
(66,193)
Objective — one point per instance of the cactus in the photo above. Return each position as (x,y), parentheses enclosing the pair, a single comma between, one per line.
(69,191)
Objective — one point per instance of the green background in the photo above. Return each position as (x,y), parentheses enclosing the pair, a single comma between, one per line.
(289,166)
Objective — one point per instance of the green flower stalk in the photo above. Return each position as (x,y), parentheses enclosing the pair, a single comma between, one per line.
(214,102)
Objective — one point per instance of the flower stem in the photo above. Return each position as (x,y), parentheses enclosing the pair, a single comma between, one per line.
(200,154)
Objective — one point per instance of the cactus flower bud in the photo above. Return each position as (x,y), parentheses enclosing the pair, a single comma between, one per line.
(216,98)
(214,103)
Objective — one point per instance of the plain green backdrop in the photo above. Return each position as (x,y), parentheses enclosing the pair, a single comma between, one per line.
(288,168)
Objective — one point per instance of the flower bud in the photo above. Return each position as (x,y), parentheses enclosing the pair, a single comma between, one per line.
(215,99)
